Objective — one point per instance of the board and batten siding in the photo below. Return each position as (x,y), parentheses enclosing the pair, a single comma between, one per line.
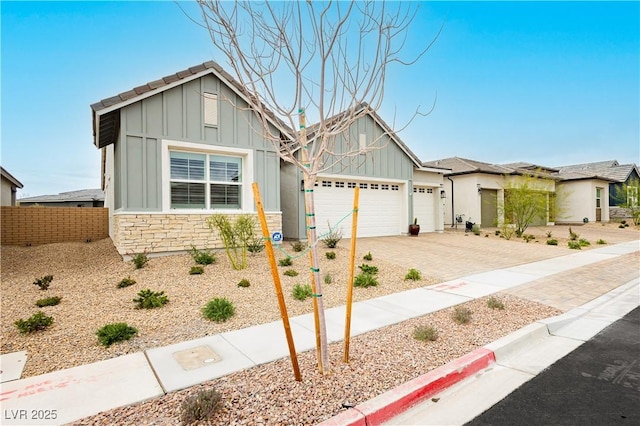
(177,114)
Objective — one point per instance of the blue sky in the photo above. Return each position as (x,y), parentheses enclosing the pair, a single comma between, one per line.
(550,83)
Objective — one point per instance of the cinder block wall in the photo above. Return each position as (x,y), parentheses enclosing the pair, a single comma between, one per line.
(44,225)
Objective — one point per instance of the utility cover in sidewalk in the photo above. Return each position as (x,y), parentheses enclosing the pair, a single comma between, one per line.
(11,366)
(197,357)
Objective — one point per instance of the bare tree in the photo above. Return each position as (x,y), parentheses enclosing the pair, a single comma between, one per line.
(324,60)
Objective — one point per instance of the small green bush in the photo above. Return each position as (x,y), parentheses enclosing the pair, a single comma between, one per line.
(291,273)
(196,270)
(126,282)
(140,260)
(244,283)
(601,242)
(255,245)
(425,333)
(624,222)
(202,257)
(365,280)
(328,279)
(36,322)
(574,245)
(301,291)
(200,406)
(218,310)
(332,238)
(497,232)
(287,261)
(413,275)
(621,226)
(44,282)
(330,255)
(584,242)
(116,332)
(368,257)
(528,237)
(461,314)
(572,235)
(148,299)
(298,246)
(552,242)
(495,303)
(368,269)
(48,301)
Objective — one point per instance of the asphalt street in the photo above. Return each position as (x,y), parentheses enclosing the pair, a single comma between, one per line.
(597,384)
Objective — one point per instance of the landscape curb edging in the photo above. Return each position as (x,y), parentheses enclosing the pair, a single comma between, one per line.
(393,402)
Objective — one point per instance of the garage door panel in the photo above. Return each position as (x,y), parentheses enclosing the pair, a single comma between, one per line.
(424,207)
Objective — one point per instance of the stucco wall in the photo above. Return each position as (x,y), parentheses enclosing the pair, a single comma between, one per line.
(577,200)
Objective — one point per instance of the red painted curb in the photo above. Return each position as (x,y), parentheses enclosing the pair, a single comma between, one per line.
(388,405)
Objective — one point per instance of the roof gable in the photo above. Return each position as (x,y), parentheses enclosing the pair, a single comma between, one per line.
(5,174)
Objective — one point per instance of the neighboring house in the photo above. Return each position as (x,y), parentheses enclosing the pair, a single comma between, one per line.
(10,186)
(80,198)
(394,186)
(177,150)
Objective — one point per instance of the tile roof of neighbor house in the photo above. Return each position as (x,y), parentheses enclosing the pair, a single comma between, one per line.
(5,174)
(459,166)
(70,196)
(607,170)
(105,113)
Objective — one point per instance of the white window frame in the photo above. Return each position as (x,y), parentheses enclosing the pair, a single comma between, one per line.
(210,109)
(246,196)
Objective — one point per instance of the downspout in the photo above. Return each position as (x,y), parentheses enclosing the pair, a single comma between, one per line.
(453,215)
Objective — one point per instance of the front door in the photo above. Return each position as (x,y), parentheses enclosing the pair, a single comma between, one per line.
(598,206)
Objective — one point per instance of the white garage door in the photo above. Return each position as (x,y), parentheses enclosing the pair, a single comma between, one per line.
(380,210)
(424,208)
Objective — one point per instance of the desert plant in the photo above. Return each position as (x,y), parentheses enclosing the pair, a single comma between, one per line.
(200,406)
(140,260)
(301,291)
(621,226)
(461,314)
(495,303)
(255,245)
(290,273)
(244,283)
(552,242)
(330,255)
(43,282)
(236,236)
(332,238)
(574,245)
(497,232)
(328,279)
(115,332)
(368,257)
(218,310)
(48,301)
(196,270)
(425,333)
(584,242)
(148,299)
(549,234)
(126,282)
(298,246)
(506,231)
(287,261)
(202,257)
(601,242)
(572,235)
(528,237)
(368,269)
(413,274)
(365,280)
(36,322)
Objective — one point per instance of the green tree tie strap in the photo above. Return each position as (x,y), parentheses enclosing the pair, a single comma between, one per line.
(315,269)
(315,295)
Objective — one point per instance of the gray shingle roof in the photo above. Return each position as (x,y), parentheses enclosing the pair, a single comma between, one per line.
(79,195)
(5,174)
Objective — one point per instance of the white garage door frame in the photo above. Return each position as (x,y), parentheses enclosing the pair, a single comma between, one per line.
(382,207)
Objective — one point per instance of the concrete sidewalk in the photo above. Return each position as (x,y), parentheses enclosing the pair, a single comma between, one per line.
(60,397)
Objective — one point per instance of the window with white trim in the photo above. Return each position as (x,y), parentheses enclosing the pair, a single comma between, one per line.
(339,184)
(395,187)
(351,185)
(205,181)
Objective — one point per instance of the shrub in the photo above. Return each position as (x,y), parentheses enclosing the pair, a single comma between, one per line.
(126,282)
(624,222)
(200,406)
(549,234)
(235,235)
(528,237)
(425,333)
(218,310)
(48,301)
(298,246)
(328,279)
(552,242)
(497,232)
(196,270)
(244,283)
(291,273)
(368,257)
(332,238)
(621,226)
(413,274)
(44,282)
(365,280)
(148,299)
(368,269)
(202,257)
(301,291)
(140,260)
(584,242)
(574,245)
(285,261)
(330,255)
(255,245)
(116,332)
(461,314)
(495,303)
(36,322)
(507,231)
(572,235)
(601,241)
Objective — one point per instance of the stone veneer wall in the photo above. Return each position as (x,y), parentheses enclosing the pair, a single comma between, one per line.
(163,232)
